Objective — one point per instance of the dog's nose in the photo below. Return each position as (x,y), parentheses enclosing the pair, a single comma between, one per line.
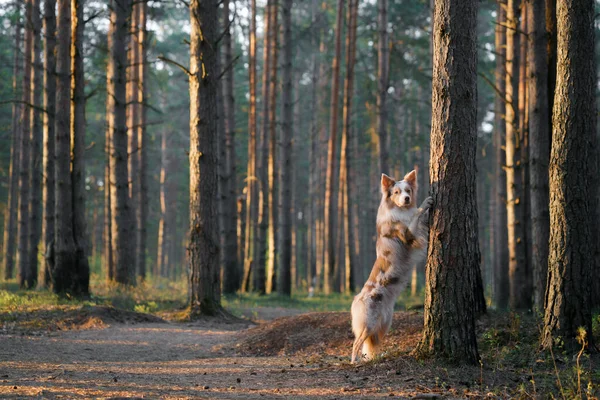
(407,200)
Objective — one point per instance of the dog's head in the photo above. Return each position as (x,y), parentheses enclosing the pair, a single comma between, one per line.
(402,193)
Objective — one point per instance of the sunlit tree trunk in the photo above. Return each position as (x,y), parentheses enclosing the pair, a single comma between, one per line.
(78,147)
(11,214)
(453,255)
(284,286)
(252,194)
(203,247)
(330,198)
(24,172)
(162,222)
(539,144)
(573,179)
(382,83)
(142,94)
(48,198)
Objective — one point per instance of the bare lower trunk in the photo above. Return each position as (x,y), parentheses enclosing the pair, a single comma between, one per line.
(382,83)
(142,209)
(163,223)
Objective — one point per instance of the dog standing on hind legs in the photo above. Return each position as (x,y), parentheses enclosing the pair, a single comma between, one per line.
(402,235)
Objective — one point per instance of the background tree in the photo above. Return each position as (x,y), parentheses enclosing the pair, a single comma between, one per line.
(573,184)
(453,255)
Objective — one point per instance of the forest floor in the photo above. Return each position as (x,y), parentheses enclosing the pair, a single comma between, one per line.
(74,350)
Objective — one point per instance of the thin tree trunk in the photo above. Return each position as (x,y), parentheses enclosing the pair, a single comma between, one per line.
(203,247)
(110,106)
(252,195)
(453,255)
(122,218)
(501,285)
(142,154)
(48,197)
(284,286)
(382,82)
(330,201)
(35,160)
(24,171)
(10,217)
(539,142)
(82,279)
(272,245)
(65,250)
(232,277)
(518,296)
(573,179)
(162,223)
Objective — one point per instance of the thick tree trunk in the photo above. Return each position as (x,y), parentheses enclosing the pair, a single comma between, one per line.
(382,83)
(519,297)
(65,266)
(501,285)
(82,275)
(10,217)
(203,247)
(345,159)
(252,194)
(24,171)
(573,179)
(329,237)
(35,160)
(539,145)
(272,245)
(142,154)
(122,218)
(453,255)
(232,278)
(48,197)
(284,285)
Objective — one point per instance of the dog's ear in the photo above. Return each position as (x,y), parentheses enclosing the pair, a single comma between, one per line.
(411,178)
(386,183)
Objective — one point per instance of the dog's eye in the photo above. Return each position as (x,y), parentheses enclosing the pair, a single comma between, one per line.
(396,192)
(408,191)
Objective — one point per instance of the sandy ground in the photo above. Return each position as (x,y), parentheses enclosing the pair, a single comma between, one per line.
(168,360)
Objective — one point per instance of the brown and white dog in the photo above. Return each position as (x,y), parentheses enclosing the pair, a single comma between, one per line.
(402,235)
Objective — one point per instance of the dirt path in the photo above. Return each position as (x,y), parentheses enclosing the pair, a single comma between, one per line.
(166,360)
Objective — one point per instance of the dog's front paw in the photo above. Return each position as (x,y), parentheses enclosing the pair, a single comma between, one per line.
(427,203)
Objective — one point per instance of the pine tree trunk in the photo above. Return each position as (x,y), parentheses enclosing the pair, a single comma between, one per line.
(382,83)
(142,154)
(203,247)
(284,285)
(329,238)
(110,106)
(161,257)
(272,245)
(65,249)
(24,172)
(573,177)
(453,255)
(501,285)
(232,278)
(35,160)
(345,164)
(539,145)
(517,264)
(252,195)
(48,197)
(82,273)
(122,218)
(10,217)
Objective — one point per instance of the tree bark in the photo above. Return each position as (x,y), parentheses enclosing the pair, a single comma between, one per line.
(24,171)
(382,83)
(539,145)
(110,106)
(517,269)
(330,200)
(252,194)
(142,154)
(573,179)
(231,277)
(284,285)
(77,128)
(453,255)
(48,197)
(11,215)
(501,285)
(161,258)
(122,219)
(203,247)
(35,160)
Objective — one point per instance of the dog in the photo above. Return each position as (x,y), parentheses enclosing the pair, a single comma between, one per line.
(402,236)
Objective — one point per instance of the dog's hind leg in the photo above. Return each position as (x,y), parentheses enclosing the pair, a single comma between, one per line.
(358,342)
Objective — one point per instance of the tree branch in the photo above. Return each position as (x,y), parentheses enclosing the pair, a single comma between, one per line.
(169,61)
